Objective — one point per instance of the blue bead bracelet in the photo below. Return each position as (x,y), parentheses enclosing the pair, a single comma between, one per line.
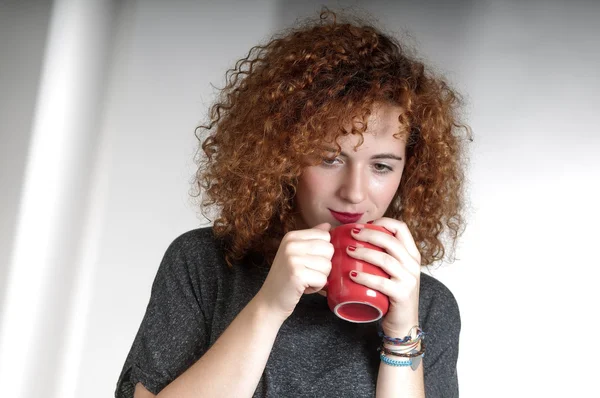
(394,362)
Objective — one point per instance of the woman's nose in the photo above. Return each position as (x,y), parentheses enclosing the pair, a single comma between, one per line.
(353,185)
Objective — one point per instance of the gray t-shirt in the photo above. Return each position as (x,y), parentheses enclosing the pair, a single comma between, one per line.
(195,296)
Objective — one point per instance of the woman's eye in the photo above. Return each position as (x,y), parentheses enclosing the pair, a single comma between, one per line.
(329,161)
(382,168)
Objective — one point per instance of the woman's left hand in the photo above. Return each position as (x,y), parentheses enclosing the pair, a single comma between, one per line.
(402,261)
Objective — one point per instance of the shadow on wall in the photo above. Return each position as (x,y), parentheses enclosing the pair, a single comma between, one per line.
(23,29)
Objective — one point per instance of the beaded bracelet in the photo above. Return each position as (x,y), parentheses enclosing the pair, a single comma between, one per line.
(394,362)
(394,341)
(406,339)
(411,343)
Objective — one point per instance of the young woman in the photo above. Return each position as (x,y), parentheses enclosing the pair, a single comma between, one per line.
(328,124)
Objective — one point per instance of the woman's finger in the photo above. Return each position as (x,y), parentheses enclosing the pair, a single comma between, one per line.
(383,260)
(313,247)
(398,291)
(402,233)
(375,282)
(314,280)
(321,232)
(389,243)
(317,263)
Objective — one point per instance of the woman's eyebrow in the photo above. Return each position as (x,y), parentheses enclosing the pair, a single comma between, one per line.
(386,156)
(378,156)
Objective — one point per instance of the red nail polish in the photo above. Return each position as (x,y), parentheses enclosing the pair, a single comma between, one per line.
(356,230)
(370,222)
(352,248)
(353,274)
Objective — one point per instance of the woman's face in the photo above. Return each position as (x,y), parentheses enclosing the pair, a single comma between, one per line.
(357,186)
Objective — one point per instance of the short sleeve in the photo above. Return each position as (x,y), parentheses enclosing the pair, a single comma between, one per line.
(442,327)
(173,333)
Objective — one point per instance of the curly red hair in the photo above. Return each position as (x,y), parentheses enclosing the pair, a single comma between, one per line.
(278,107)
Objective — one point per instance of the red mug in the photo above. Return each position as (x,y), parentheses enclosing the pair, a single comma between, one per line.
(347,299)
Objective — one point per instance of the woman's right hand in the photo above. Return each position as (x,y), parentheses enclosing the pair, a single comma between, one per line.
(301,266)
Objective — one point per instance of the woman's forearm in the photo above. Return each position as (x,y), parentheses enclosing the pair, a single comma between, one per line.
(400,381)
(232,367)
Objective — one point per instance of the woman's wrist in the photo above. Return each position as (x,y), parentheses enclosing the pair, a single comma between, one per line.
(405,341)
(265,313)
(400,331)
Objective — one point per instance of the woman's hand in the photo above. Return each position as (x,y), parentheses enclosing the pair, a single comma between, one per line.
(402,261)
(301,265)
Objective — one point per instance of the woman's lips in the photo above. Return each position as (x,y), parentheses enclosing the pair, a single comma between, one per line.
(346,218)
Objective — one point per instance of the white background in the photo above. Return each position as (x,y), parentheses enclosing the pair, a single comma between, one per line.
(98,105)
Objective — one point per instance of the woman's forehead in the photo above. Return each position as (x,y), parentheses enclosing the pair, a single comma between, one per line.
(384,120)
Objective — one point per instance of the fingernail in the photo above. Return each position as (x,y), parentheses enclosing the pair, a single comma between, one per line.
(356,230)
(353,274)
(352,248)
(370,222)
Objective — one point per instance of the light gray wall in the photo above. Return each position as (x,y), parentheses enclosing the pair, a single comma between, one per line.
(526,269)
